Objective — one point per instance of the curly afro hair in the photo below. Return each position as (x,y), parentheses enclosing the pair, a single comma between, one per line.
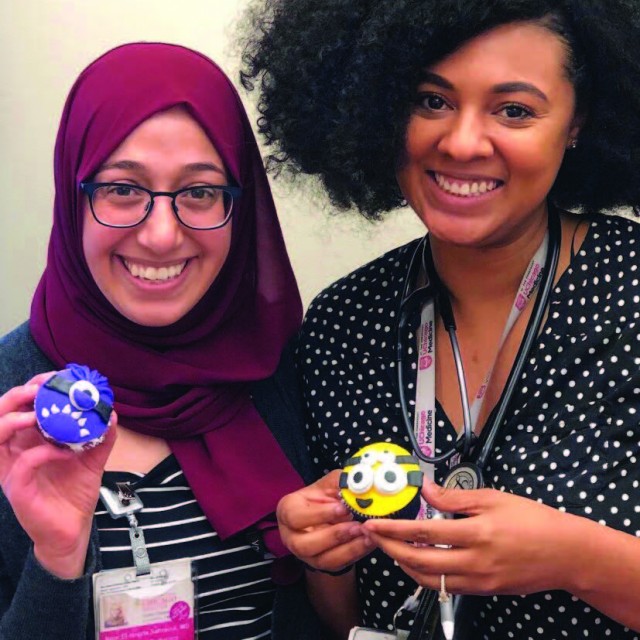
(336,80)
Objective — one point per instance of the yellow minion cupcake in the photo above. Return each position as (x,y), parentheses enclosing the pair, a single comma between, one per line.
(382,480)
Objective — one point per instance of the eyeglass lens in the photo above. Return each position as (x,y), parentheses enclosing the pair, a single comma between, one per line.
(123,206)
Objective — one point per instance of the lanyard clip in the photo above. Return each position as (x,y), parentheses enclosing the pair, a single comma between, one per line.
(122,501)
(125,502)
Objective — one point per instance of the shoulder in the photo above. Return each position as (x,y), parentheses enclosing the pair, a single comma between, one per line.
(20,358)
(617,230)
(608,256)
(278,400)
(376,284)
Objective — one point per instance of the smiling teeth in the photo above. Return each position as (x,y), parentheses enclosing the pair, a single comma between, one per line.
(465,189)
(156,275)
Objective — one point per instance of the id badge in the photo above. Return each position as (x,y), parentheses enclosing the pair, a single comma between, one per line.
(159,604)
(362,633)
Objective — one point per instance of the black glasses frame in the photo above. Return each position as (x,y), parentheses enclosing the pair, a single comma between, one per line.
(91,187)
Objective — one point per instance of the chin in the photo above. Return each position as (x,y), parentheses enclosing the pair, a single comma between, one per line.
(153,318)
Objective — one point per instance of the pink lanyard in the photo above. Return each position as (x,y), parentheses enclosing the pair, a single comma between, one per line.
(424,421)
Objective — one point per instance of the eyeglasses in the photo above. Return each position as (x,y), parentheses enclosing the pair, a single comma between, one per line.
(122,205)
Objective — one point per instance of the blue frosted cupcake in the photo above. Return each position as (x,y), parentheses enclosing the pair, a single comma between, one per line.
(73,408)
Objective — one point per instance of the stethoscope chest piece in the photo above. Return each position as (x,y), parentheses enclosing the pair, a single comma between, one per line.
(464,476)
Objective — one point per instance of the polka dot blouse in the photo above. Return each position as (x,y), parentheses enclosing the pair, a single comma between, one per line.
(570,438)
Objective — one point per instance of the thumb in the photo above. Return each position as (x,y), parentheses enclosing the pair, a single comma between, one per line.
(329,484)
(464,501)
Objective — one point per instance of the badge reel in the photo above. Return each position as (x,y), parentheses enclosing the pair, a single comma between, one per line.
(146,600)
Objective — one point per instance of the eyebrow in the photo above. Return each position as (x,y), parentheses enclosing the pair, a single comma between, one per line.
(503,87)
(132,165)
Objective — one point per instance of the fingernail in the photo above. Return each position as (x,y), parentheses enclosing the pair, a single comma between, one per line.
(368,541)
(341,509)
(355,531)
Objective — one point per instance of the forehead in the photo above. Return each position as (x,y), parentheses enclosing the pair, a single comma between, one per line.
(172,134)
(518,51)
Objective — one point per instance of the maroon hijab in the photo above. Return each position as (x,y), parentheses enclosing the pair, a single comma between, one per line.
(189,382)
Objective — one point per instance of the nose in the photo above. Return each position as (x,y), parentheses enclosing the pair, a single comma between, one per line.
(465,138)
(161,232)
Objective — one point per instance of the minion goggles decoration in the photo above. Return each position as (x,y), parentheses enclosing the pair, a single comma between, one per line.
(382,480)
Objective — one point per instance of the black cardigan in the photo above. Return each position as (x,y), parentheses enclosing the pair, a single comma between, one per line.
(35,604)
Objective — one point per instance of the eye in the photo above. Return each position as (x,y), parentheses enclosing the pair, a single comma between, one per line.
(386,456)
(200,193)
(431,101)
(123,191)
(83,395)
(516,112)
(370,458)
(360,478)
(390,478)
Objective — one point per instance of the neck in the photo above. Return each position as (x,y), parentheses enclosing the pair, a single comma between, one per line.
(486,275)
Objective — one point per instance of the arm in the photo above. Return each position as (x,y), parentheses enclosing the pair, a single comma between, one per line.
(335,599)
(513,545)
(318,529)
(48,555)
(63,606)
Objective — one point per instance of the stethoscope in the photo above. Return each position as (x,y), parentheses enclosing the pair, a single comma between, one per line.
(473,451)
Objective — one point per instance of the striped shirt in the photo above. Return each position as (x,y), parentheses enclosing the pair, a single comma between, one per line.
(234,587)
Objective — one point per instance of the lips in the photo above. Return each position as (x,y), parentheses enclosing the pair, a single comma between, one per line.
(471,187)
(154,274)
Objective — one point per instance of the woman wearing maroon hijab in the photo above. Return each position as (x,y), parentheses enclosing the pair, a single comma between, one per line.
(186,308)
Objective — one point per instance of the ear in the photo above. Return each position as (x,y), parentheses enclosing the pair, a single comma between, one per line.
(577,124)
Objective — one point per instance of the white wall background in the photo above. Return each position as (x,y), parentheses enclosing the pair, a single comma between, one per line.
(44,44)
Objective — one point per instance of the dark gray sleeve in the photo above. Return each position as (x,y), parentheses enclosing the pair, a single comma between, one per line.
(279,401)
(44,606)
(20,358)
(35,604)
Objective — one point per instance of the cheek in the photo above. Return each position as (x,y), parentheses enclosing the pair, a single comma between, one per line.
(419,140)
(98,243)
(216,251)
(535,158)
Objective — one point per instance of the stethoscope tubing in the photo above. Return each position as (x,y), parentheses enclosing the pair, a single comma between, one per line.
(424,619)
(436,289)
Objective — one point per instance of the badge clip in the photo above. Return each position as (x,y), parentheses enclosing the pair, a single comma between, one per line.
(125,502)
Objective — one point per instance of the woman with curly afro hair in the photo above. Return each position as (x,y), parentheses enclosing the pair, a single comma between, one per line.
(512,129)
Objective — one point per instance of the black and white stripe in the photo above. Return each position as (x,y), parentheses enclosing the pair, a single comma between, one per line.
(234,586)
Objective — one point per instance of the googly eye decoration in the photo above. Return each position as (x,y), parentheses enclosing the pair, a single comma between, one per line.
(390,478)
(83,395)
(386,456)
(360,478)
(369,458)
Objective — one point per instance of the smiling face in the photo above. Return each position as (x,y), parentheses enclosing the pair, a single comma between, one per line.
(487,136)
(155,273)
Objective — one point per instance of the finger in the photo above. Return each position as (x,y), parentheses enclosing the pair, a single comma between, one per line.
(342,555)
(13,422)
(95,458)
(314,542)
(424,560)
(469,502)
(41,378)
(23,472)
(17,398)
(329,485)
(298,511)
(457,533)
